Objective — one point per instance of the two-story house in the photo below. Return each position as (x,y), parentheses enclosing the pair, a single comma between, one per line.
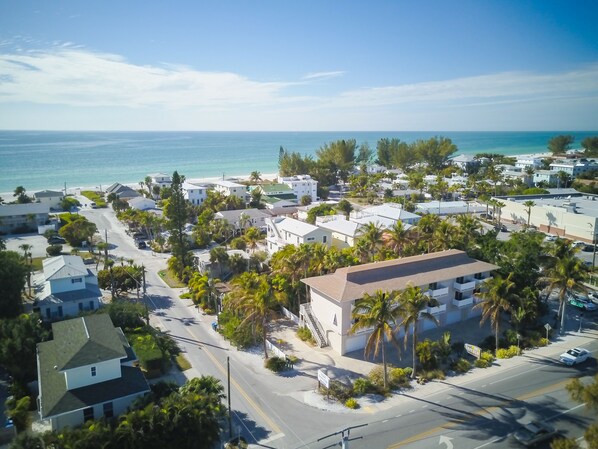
(450,277)
(50,197)
(160,179)
(302,185)
(243,218)
(20,218)
(196,194)
(282,231)
(86,372)
(69,288)
(229,188)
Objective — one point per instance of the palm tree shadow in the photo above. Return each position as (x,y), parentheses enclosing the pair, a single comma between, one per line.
(248,429)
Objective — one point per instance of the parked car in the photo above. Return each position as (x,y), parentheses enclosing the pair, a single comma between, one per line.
(574,356)
(141,244)
(56,239)
(534,433)
(582,303)
(549,238)
(588,248)
(593,297)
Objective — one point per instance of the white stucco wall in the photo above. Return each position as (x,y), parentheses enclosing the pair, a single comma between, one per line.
(66,285)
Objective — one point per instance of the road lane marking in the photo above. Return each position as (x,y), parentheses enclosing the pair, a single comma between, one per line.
(251,402)
(491,409)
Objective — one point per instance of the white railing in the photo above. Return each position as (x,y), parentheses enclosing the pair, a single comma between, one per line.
(463,302)
(468,285)
(438,309)
(286,312)
(479,281)
(438,292)
(275,350)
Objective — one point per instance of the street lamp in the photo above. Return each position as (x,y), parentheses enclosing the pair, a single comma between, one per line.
(518,340)
(580,321)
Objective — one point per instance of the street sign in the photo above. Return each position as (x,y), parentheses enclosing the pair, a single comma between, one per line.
(475,351)
(547,326)
(323,378)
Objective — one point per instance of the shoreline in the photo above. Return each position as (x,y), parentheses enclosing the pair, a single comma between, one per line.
(245,177)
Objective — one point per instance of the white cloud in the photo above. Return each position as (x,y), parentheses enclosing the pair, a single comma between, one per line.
(68,76)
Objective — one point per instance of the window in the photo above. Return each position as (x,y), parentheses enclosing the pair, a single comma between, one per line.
(48,313)
(458,296)
(91,306)
(60,311)
(80,306)
(324,239)
(433,286)
(93,371)
(87,413)
(76,280)
(108,410)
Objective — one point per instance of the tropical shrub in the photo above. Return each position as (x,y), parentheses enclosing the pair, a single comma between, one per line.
(399,377)
(338,391)
(426,376)
(425,352)
(511,351)
(238,243)
(461,365)
(276,364)
(239,335)
(54,250)
(485,360)
(305,335)
(363,385)
(352,403)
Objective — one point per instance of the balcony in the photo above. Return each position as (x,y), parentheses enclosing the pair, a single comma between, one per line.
(465,285)
(436,310)
(468,301)
(480,281)
(437,292)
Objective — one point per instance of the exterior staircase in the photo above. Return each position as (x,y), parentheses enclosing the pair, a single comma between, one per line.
(313,324)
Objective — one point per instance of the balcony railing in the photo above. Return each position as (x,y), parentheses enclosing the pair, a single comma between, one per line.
(438,292)
(464,302)
(436,310)
(466,285)
(479,281)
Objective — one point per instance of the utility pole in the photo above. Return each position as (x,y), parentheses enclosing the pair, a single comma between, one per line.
(230,424)
(345,434)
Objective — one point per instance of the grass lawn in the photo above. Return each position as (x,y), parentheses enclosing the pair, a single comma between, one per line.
(95,197)
(36,263)
(182,363)
(170,279)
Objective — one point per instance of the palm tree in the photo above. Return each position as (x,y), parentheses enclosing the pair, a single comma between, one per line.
(528,208)
(499,205)
(445,235)
(497,297)
(371,233)
(255,299)
(379,311)
(252,236)
(468,229)
(255,176)
(29,261)
(425,229)
(413,303)
(566,275)
(397,238)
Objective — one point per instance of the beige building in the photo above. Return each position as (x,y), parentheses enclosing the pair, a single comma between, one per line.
(567,213)
(451,277)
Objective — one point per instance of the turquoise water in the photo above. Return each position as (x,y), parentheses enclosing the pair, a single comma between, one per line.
(47,160)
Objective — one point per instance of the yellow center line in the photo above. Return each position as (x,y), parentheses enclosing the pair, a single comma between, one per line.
(251,402)
(430,432)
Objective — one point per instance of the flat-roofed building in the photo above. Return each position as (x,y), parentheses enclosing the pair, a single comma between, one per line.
(451,277)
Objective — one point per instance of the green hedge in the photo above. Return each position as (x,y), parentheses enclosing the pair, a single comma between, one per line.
(95,197)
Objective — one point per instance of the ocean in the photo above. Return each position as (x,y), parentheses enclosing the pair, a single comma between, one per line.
(40,160)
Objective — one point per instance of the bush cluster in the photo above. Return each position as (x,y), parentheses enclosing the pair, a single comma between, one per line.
(485,360)
(276,364)
(461,365)
(511,351)
(352,403)
(305,335)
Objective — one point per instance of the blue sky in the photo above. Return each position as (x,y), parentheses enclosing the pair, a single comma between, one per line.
(299,65)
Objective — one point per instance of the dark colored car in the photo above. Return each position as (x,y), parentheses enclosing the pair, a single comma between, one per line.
(141,244)
(534,433)
(56,239)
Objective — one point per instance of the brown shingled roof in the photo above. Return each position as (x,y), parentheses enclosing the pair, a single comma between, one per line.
(350,283)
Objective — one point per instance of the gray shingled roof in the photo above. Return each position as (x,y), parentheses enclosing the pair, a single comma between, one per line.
(350,283)
(64,267)
(86,340)
(80,342)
